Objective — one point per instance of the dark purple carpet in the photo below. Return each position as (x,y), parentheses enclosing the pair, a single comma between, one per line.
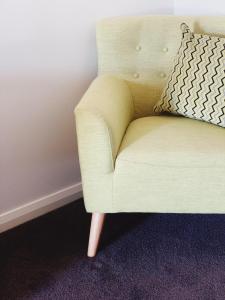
(142,256)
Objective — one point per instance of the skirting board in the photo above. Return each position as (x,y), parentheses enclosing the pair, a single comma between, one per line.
(39,207)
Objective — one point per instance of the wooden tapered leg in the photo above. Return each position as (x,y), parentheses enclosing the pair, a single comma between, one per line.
(97,222)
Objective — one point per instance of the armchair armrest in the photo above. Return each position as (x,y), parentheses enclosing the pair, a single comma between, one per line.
(102,117)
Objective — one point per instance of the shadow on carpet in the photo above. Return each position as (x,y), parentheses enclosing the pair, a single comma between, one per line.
(142,256)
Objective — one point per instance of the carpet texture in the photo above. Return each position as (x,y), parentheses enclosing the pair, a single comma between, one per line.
(142,256)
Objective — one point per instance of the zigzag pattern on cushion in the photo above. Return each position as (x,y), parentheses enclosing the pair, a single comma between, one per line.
(196,86)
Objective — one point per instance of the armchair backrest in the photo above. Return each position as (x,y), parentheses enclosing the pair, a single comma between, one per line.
(141,50)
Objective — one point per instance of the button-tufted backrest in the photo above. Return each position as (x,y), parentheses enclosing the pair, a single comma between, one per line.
(141,50)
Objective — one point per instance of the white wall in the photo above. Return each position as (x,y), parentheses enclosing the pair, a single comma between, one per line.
(47,60)
(199,7)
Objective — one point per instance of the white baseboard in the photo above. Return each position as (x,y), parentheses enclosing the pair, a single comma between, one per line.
(39,206)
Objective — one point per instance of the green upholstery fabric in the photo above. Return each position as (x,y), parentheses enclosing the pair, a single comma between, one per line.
(170,164)
(173,142)
(141,50)
(131,163)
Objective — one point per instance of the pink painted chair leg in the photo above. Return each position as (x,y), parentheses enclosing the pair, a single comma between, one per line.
(97,222)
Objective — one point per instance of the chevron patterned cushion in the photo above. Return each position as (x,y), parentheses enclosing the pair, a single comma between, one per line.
(196,86)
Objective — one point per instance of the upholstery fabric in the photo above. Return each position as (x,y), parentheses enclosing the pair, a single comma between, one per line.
(141,50)
(196,86)
(135,55)
(170,164)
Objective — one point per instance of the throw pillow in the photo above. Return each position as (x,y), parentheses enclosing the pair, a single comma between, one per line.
(196,86)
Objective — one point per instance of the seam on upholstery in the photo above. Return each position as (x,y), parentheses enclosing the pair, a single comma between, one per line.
(106,128)
(109,139)
(132,98)
(169,166)
(130,119)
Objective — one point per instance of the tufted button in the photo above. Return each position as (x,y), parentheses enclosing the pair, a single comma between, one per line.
(165,49)
(136,75)
(138,48)
(162,75)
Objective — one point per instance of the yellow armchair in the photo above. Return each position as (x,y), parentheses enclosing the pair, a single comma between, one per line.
(132,160)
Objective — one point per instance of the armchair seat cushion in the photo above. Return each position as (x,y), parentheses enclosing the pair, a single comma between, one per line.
(173,142)
(170,164)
